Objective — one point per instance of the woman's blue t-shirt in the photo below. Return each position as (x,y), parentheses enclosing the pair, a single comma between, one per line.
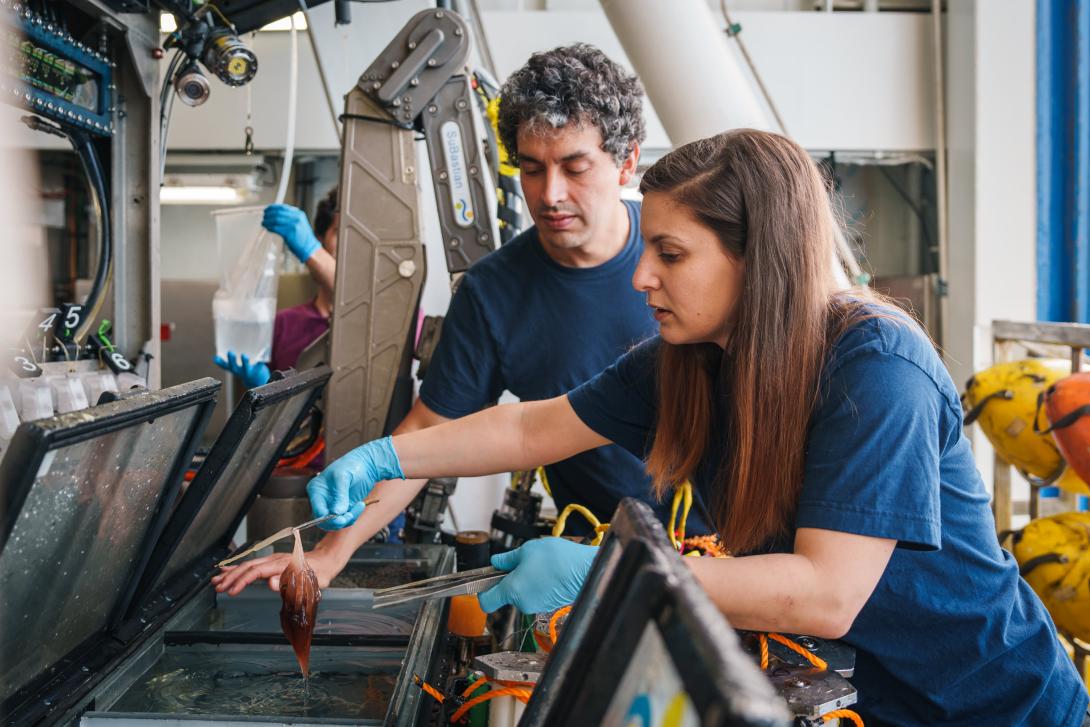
(951,635)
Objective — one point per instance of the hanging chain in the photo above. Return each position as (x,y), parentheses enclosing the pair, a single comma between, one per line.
(248,145)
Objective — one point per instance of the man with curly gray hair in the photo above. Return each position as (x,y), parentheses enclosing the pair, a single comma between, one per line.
(548,310)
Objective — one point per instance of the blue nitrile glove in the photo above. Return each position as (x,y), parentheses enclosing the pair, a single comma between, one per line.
(545,574)
(343,486)
(252,374)
(291,224)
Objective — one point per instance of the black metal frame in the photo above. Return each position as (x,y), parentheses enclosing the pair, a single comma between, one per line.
(722,682)
(648,584)
(311,382)
(32,440)
(19,470)
(582,636)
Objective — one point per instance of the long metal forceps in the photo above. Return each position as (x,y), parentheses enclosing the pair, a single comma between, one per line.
(454,584)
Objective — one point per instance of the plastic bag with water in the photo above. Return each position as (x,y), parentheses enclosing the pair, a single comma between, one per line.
(244,307)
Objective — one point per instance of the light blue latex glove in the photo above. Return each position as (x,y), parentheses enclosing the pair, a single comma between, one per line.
(545,574)
(343,486)
(291,224)
(252,374)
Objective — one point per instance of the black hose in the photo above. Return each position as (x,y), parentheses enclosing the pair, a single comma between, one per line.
(166,104)
(96,183)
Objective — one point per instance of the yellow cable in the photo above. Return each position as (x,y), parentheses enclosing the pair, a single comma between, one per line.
(683,498)
(562,521)
(599,527)
(544,481)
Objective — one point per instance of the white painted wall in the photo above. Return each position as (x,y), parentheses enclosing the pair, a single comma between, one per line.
(992,166)
(846,81)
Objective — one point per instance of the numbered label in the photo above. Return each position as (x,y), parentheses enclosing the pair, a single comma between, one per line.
(69,319)
(117,361)
(24,367)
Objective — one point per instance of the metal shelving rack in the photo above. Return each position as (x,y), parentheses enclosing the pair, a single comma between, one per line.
(1007,337)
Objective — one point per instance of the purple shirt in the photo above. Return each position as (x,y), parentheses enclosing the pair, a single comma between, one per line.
(295,329)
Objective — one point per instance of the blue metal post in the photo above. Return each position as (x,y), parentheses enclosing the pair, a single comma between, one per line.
(1063,160)
(1081,182)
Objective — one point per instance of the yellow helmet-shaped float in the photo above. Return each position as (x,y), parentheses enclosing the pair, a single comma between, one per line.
(1003,401)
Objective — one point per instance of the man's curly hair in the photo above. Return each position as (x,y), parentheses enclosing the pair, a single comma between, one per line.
(575,83)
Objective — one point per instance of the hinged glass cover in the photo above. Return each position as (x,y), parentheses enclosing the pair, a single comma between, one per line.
(84,492)
(240,461)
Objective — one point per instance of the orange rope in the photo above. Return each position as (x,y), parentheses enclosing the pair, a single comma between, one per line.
(709,544)
(304,459)
(844,714)
(432,691)
(560,612)
(474,686)
(816,661)
(523,695)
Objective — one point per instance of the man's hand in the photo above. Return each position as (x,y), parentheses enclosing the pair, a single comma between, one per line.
(234,578)
(291,224)
(342,487)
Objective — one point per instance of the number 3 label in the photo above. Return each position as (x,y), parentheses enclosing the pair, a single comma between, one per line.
(24,368)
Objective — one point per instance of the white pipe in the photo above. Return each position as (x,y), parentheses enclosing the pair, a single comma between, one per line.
(333,115)
(697,86)
(940,173)
(293,87)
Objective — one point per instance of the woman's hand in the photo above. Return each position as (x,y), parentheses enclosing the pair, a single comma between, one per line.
(291,223)
(545,575)
(252,374)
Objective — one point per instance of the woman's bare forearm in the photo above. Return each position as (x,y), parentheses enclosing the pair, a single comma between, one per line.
(818,590)
(499,439)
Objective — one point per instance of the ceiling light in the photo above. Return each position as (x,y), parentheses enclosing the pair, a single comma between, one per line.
(200,195)
(285,23)
(208,188)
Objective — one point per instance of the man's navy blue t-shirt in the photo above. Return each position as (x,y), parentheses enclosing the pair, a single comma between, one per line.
(520,321)
(951,635)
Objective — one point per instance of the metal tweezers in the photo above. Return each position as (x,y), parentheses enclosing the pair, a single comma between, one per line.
(454,584)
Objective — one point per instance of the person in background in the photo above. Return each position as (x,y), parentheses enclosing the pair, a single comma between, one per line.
(297,327)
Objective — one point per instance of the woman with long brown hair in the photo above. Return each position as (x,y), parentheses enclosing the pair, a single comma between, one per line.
(818,427)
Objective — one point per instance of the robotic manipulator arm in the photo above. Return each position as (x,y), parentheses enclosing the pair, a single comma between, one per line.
(418,84)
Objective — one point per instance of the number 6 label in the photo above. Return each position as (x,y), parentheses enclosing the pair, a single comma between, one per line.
(118,362)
